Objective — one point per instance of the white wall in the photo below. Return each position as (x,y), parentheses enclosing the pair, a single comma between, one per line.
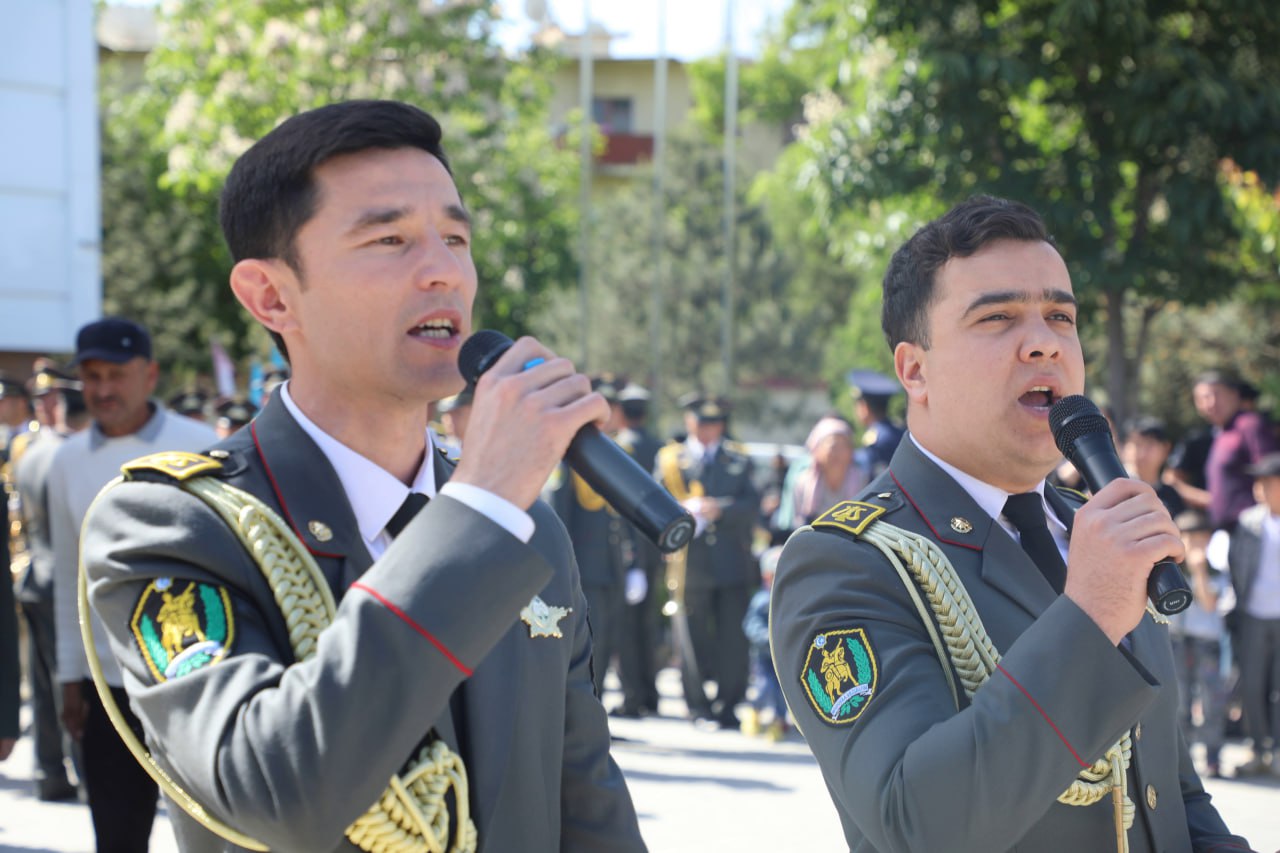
(50,280)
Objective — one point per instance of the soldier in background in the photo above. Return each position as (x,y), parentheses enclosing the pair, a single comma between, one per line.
(711,477)
(190,404)
(232,414)
(638,635)
(871,394)
(60,408)
(602,543)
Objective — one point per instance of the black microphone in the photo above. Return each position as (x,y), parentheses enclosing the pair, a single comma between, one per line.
(605,466)
(1084,437)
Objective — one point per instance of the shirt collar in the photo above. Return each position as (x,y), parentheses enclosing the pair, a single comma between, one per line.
(149,432)
(374,493)
(990,498)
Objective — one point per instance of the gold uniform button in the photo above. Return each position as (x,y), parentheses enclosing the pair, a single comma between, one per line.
(1151,796)
(1137,732)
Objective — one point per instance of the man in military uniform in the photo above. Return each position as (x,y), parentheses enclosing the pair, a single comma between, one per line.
(871,392)
(603,544)
(966,680)
(191,403)
(450,678)
(60,407)
(711,477)
(638,637)
(232,414)
(15,415)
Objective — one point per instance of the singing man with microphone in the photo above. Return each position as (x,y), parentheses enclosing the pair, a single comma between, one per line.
(336,640)
(970,653)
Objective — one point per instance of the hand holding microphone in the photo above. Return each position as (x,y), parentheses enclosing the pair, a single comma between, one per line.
(1123,538)
(552,404)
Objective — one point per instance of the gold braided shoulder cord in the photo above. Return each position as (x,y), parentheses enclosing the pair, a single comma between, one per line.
(411,816)
(920,563)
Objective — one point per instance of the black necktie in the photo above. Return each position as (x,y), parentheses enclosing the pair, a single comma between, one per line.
(1026,511)
(405,513)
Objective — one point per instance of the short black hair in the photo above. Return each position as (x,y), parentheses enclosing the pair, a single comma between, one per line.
(1219,376)
(270,192)
(959,233)
(1148,427)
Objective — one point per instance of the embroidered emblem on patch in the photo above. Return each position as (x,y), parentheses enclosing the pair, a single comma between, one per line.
(851,516)
(840,675)
(181,631)
(543,619)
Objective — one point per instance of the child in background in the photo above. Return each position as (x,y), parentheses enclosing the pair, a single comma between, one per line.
(768,694)
(1196,634)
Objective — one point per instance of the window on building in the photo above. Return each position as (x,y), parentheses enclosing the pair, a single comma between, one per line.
(612,114)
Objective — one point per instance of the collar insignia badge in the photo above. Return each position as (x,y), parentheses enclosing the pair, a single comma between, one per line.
(320,530)
(961,525)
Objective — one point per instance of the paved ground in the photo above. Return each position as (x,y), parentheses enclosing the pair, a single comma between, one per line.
(695,791)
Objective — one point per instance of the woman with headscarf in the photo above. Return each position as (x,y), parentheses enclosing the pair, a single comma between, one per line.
(829,476)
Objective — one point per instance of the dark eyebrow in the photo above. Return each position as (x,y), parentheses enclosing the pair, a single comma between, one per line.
(385,215)
(1004,297)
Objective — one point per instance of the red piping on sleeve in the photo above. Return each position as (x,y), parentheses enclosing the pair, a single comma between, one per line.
(1036,705)
(415,626)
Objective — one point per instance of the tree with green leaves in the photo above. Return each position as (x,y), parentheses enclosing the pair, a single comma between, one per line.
(1118,120)
(227,71)
(777,334)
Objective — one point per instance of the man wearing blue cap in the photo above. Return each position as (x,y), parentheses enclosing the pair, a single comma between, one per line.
(113,357)
(871,394)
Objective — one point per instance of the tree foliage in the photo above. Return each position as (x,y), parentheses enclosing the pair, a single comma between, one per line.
(777,333)
(1114,118)
(227,71)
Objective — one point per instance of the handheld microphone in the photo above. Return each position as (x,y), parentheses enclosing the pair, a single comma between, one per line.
(1084,437)
(605,466)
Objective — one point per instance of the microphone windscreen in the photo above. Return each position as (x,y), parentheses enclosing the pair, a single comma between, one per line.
(480,351)
(1072,417)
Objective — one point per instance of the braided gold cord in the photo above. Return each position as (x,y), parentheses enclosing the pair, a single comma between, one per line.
(412,815)
(975,658)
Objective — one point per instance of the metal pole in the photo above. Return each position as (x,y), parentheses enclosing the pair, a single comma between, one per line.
(659,214)
(584,152)
(730,207)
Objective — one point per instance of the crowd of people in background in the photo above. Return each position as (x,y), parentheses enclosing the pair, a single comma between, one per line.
(65,431)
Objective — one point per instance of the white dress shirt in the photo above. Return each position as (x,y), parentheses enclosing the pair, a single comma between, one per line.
(375,494)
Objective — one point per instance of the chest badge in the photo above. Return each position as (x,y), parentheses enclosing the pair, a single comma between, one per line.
(543,619)
(961,525)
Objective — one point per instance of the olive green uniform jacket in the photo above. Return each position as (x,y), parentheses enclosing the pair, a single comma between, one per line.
(428,636)
(910,772)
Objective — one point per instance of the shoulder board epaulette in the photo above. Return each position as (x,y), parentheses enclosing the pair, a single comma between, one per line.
(175,465)
(734,447)
(849,516)
(1074,494)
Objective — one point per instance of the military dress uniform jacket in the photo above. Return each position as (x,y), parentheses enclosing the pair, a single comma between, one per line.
(603,543)
(908,772)
(721,555)
(291,753)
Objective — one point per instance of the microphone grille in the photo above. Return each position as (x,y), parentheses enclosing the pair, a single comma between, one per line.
(1073,417)
(480,351)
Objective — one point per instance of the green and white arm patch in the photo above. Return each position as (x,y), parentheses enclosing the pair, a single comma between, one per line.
(182,626)
(840,674)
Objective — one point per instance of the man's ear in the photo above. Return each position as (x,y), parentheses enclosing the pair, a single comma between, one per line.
(264,288)
(908,362)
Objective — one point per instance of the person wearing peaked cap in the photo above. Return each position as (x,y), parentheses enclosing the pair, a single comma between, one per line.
(232,414)
(638,637)
(60,409)
(871,392)
(603,543)
(443,692)
(1255,575)
(15,410)
(711,477)
(455,415)
(190,404)
(970,652)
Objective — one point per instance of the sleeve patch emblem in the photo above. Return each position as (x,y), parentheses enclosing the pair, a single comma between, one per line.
(181,630)
(840,675)
(850,516)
